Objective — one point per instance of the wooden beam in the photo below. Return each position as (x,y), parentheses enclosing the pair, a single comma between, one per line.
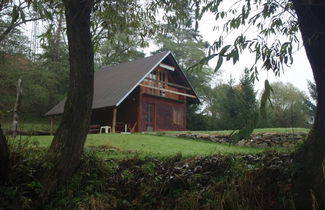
(139,116)
(114,119)
(168,67)
(170,84)
(178,86)
(170,91)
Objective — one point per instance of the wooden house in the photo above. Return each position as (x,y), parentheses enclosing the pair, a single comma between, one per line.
(148,94)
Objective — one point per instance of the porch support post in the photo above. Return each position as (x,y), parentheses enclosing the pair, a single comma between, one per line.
(51,125)
(114,119)
(139,119)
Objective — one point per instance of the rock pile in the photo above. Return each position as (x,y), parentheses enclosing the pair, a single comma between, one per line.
(257,140)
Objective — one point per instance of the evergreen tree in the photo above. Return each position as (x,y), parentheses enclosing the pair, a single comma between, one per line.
(248,112)
(224,106)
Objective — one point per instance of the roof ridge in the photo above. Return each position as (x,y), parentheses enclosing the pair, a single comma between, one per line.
(136,60)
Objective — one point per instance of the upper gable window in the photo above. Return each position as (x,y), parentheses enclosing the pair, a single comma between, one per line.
(153,75)
(162,82)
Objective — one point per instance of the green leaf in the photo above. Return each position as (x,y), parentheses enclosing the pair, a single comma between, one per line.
(224,49)
(219,63)
(22,15)
(15,13)
(265,97)
(235,57)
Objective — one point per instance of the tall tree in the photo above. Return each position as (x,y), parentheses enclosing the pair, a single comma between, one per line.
(311,182)
(274,20)
(287,107)
(70,137)
(119,30)
(233,107)
(54,59)
(4,157)
(224,105)
(248,108)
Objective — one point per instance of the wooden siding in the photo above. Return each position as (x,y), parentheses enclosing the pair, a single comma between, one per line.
(157,104)
(168,114)
(126,114)
(159,81)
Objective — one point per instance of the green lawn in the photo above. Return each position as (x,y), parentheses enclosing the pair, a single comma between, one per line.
(145,144)
(162,145)
(44,125)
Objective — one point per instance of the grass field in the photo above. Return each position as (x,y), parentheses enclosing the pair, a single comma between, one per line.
(157,144)
(123,145)
(44,125)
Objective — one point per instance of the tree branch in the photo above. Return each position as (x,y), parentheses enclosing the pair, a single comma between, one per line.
(13,26)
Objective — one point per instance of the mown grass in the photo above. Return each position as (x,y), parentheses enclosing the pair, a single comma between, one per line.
(44,125)
(163,144)
(121,146)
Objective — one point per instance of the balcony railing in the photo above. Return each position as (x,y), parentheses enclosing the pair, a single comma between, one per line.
(164,89)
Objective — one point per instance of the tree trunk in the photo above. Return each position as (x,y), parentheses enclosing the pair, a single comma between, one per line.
(16,109)
(309,183)
(4,157)
(70,137)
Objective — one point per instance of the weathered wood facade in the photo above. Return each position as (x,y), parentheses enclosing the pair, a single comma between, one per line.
(157,101)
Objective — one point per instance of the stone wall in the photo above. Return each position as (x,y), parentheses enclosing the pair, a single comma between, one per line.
(257,140)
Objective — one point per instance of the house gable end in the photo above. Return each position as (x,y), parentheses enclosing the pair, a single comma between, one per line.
(137,84)
(168,81)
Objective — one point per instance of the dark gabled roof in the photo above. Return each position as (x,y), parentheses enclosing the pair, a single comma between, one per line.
(113,84)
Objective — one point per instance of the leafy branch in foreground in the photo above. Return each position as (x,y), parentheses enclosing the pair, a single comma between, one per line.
(267,30)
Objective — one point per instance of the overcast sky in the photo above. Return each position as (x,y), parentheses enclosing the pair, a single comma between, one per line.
(297,74)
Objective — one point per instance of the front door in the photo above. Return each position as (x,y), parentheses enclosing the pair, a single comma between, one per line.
(149,116)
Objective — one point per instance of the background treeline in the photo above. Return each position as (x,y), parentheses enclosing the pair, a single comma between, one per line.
(233,106)
(224,106)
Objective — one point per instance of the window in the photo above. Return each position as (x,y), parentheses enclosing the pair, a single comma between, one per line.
(162,83)
(177,117)
(157,80)
(149,116)
(152,79)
